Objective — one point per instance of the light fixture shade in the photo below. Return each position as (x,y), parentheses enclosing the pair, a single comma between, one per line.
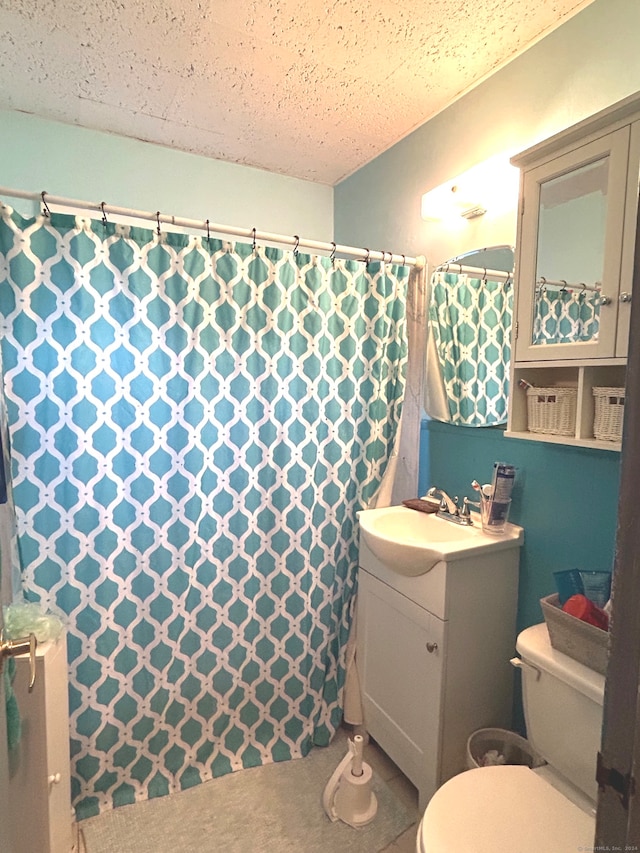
(489,186)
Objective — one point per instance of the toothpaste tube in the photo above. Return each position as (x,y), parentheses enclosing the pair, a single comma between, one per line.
(503,478)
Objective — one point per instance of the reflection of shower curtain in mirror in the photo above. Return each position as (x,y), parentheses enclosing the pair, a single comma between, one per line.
(470,321)
(566,316)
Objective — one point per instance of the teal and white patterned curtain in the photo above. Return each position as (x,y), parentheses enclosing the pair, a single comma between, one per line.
(470,320)
(194,426)
(565,316)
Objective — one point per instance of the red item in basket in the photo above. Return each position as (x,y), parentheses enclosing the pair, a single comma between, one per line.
(583,608)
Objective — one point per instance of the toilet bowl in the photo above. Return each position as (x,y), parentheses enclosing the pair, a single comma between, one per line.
(550,809)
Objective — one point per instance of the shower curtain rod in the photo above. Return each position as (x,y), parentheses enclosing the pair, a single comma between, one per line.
(556,284)
(476,272)
(213,227)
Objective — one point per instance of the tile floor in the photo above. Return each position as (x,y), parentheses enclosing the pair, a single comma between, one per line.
(390,774)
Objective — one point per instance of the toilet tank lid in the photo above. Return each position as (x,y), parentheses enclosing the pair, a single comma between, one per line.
(534,646)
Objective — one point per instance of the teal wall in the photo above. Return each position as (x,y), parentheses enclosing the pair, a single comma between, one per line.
(564,498)
(87,165)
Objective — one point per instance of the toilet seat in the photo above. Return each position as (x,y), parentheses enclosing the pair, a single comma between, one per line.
(505,808)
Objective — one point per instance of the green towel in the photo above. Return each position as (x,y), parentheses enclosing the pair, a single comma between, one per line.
(14,726)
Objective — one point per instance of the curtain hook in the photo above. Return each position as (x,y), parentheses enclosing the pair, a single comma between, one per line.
(484,276)
(253,231)
(208,234)
(332,256)
(404,260)
(367,259)
(564,286)
(158,223)
(46,212)
(105,221)
(295,248)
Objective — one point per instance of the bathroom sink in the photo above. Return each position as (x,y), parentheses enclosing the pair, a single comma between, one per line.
(412,543)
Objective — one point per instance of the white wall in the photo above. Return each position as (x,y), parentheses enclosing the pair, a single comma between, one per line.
(74,162)
(585,65)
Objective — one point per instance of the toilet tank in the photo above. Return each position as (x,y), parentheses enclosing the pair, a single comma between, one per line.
(563,708)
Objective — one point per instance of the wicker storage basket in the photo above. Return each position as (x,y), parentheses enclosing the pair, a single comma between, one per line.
(573,637)
(607,423)
(552,410)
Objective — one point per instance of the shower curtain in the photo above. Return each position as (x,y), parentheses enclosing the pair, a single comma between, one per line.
(470,329)
(194,426)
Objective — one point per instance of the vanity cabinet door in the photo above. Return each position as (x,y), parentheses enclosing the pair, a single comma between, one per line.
(571,246)
(401,657)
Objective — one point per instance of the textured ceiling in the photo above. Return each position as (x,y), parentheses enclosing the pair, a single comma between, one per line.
(309,88)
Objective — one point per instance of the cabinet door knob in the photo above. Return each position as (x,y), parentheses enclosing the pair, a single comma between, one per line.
(625,297)
(432,647)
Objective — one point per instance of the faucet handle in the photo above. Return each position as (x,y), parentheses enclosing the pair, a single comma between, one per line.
(465,512)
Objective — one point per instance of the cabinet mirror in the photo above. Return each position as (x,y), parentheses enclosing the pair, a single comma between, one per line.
(572,213)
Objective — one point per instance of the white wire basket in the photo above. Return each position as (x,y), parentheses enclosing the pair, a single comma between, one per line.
(609,413)
(552,410)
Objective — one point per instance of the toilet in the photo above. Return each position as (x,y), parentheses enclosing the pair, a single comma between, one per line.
(550,808)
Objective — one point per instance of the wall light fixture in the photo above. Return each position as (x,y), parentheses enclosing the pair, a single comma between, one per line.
(490,186)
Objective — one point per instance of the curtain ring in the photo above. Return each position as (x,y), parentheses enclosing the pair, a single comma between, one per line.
(253,231)
(332,256)
(105,221)
(295,248)
(158,223)
(404,260)
(46,212)
(208,234)
(367,259)
(484,276)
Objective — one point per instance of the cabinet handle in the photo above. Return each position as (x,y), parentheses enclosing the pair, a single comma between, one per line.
(432,647)
(605,300)
(625,297)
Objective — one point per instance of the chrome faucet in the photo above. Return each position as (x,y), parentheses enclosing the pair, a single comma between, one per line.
(448,507)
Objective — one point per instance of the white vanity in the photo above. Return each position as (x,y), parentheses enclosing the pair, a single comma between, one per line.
(433,648)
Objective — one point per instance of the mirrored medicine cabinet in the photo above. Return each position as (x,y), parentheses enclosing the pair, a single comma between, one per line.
(574,265)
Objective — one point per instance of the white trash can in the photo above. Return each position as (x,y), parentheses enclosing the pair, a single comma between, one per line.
(499,746)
